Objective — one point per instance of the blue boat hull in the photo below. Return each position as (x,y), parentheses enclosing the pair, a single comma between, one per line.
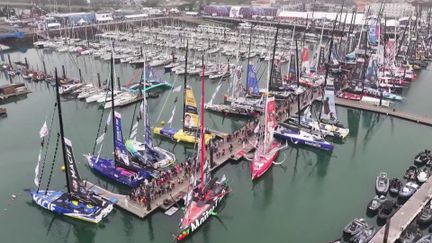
(60,203)
(316,144)
(106,168)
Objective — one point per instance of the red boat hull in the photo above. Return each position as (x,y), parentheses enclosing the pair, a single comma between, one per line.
(262,162)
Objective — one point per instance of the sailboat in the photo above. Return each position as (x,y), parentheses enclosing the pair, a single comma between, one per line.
(146,152)
(190,128)
(77,202)
(268,147)
(206,193)
(120,168)
(299,135)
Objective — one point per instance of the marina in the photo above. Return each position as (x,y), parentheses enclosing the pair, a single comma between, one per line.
(425,120)
(198,127)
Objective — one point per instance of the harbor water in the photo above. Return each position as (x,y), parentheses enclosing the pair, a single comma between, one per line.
(308,198)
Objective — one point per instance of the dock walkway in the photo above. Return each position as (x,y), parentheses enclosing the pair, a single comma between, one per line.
(239,146)
(406,214)
(425,120)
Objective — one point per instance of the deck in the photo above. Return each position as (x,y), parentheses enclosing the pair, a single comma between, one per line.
(406,214)
(425,120)
(240,149)
(19,93)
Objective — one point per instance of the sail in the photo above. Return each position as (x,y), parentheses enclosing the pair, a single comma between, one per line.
(270,119)
(374,34)
(292,69)
(148,135)
(305,65)
(363,42)
(120,152)
(358,70)
(149,73)
(237,86)
(328,107)
(321,60)
(252,82)
(74,180)
(390,51)
(191,119)
(371,71)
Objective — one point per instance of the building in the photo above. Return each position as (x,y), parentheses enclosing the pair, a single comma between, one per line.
(392,10)
(103,17)
(73,19)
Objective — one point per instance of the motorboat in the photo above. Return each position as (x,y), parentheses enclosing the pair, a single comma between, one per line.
(375,204)
(387,209)
(411,173)
(382,183)
(355,226)
(88,92)
(410,235)
(123,99)
(363,236)
(395,186)
(425,239)
(69,88)
(423,158)
(423,174)
(425,216)
(96,96)
(408,189)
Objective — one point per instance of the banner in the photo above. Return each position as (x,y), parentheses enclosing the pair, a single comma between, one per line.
(120,153)
(191,119)
(252,82)
(71,170)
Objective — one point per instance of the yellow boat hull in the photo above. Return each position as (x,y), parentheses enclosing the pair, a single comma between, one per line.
(179,135)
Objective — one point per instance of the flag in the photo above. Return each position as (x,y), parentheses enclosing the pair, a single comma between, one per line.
(177,89)
(43,131)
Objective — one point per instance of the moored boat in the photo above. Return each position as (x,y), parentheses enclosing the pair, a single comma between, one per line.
(382,184)
(355,226)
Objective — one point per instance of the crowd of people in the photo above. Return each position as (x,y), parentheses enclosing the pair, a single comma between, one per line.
(167,181)
(153,189)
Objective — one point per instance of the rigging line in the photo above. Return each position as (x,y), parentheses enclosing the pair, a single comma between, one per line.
(47,145)
(53,162)
(166,100)
(97,133)
(100,122)
(133,117)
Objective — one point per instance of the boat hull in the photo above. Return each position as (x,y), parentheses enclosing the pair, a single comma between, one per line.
(106,168)
(262,162)
(179,135)
(58,202)
(201,213)
(294,137)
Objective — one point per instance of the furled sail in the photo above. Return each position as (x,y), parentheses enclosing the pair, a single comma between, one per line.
(120,152)
(252,82)
(191,119)
(270,120)
(321,60)
(292,69)
(305,64)
(328,107)
(74,178)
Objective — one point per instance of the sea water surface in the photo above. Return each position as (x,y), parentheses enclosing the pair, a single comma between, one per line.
(309,198)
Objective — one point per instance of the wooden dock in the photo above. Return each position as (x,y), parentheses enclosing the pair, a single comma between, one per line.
(406,214)
(425,120)
(239,150)
(4,97)
(3,112)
